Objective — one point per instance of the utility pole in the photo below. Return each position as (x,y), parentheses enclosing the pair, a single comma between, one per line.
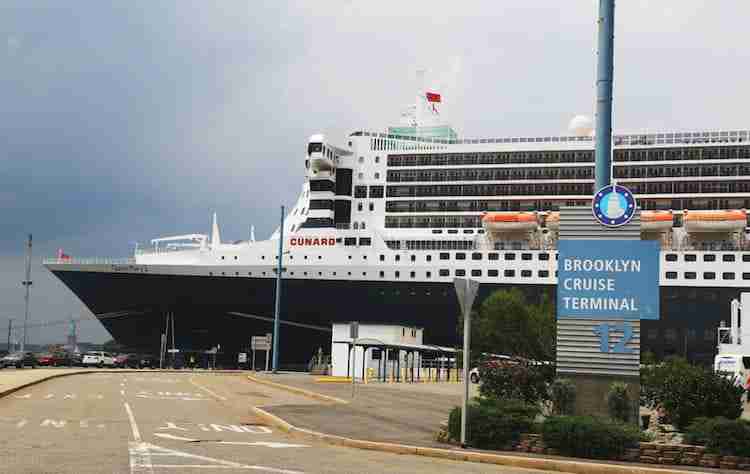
(277,308)
(10,329)
(604,75)
(27,284)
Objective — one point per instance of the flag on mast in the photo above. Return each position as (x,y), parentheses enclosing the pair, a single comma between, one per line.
(433,97)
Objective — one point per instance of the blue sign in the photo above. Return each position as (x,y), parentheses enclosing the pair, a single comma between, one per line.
(613,206)
(608,279)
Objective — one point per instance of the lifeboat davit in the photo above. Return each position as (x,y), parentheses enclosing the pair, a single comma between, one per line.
(715,221)
(553,221)
(509,221)
(656,221)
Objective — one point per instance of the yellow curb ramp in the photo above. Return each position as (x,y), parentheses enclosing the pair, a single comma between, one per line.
(546,464)
(297,390)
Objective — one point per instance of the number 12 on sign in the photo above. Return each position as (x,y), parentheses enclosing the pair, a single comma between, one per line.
(604,331)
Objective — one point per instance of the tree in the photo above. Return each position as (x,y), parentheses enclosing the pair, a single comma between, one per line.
(506,324)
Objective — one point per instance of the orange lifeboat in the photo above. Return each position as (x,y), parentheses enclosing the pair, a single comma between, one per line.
(509,221)
(656,221)
(553,220)
(715,221)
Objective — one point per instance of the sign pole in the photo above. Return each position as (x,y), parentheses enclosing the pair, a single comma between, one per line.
(354,335)
(278,296)
(466,291)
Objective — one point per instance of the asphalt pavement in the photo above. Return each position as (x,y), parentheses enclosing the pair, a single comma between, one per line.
(154,422)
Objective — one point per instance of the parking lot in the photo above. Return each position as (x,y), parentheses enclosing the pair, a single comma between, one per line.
(159,422)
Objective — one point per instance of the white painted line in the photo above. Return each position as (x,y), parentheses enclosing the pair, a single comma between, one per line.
(266,444)
(49,395)
(215,395)
(211,463)
(133,426)
(140,458)
(21,424)
(69,396)
(173,398)
(122,392)
(84,423)
(28,395)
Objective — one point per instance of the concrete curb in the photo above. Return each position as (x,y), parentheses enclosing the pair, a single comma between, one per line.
(299,391)
(8,391)
(559,465)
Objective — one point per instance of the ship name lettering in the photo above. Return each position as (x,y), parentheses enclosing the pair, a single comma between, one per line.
(312,241)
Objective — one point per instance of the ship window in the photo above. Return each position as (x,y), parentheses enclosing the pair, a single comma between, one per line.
(361,159)
(728,257)
(372,206)
(526,273)
(360,191)
(350,257)
(727,275)
(444,273)
(413,258)
(468,231)
(509,273)
(262,257)
(359,206)
(350,241)
(376,191)
(476,273)
(709,275)
(236,273)
(382,274)
(510,256)
(382,258)
(444,256)
(543,256)
(398,257)
(690,257)
(709,257)
(429,258)
(525,256)
(222,257)
(543,273)
(320,273)
(249,273)
(360,175)
(460,273)
(304,273)
(746,276)
(377,175)
(319,257)
(690,275)
(476,256)
(365,241)
(428,274)
(334,273)
(453,231)
(264,273)
(413,274)
(671,275)
(671,257)
(223,273)
(746,257)
(377,159)
(492,273)
(235,257)
(460,256)
(397,274)
(364,274)
(210,273)
(492,256)
(437,231)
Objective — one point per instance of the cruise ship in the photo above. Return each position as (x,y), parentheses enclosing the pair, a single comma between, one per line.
(384,221)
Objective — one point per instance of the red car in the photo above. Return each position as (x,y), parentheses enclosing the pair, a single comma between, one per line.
(54,360)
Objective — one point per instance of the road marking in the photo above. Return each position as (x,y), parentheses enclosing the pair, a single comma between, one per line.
(98,396)
(69,396)
(49,395)
(55,423)
(21,424)
(266,444)
(187,399)
(171,426)
(133,426)
(140,458)
(122,392)
(28,395)
(83,423)
(210,392)
(210,463)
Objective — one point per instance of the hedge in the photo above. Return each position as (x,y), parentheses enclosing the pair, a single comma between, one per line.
(494,423)
(589,437)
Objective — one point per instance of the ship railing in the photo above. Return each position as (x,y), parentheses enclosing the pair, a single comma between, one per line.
(89,261)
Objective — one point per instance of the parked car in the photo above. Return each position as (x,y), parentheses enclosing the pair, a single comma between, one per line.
(98,359)
(146,361)
(19,360)
(129,361)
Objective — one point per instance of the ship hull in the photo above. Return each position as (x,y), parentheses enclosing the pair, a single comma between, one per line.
(226,311)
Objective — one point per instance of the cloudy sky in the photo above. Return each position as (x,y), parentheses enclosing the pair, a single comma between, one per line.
(122,121)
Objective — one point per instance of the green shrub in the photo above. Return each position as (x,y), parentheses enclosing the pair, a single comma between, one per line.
(698,431)
(516,380)
(493,423)
(618,402)
(562,395)
(686,392)
(720,436)
(589,437)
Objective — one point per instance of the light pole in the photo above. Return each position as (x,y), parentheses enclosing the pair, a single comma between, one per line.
(275,366)
(27,284)
(466,291)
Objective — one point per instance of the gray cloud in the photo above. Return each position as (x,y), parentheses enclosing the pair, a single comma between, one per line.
(120,122)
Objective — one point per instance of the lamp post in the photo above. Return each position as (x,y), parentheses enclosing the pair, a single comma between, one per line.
(277,307)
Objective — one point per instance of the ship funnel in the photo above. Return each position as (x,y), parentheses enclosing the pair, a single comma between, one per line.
(215,237)
(252,233)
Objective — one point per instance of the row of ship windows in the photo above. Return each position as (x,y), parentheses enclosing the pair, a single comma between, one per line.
(491,158)
(707,275)
(708,257)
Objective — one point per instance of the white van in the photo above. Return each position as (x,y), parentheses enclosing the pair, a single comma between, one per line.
(734,366)
(98,359)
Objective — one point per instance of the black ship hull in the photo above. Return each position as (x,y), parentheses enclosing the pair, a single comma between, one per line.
(226,311)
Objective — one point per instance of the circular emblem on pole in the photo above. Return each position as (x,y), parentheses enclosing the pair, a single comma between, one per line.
(613,205)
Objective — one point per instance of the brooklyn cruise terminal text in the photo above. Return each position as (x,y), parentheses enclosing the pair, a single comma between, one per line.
(599,303)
